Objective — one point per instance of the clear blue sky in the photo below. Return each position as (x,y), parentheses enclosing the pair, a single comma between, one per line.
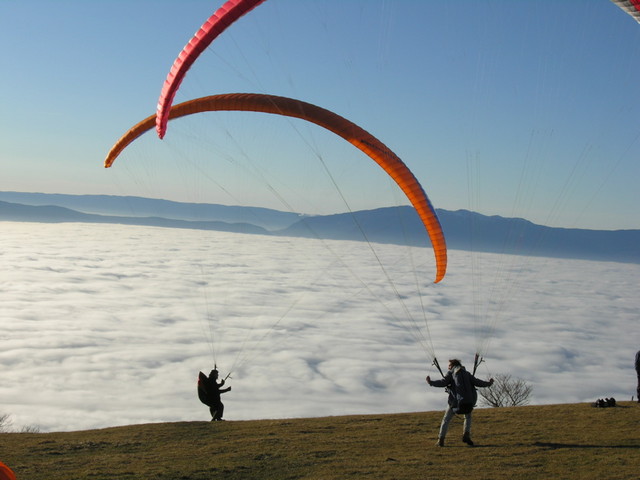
(528,108)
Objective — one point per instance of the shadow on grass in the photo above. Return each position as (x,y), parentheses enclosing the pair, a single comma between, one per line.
(555,446)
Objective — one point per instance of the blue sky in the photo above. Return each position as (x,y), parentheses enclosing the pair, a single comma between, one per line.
(512,108)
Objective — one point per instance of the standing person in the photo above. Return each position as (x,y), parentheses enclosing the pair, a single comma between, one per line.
(638,374)
(461,386)
(209,391)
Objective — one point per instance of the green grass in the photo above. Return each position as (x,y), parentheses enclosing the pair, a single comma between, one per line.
(535,442)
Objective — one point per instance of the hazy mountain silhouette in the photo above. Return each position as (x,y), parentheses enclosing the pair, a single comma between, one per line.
(54,214)
(127,206)
(463,229)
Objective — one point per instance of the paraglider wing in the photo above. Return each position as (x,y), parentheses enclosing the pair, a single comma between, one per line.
(6,473)
(214,26)
(632,7)
(363,140)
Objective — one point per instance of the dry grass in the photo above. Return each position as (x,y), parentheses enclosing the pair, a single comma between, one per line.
(535,442)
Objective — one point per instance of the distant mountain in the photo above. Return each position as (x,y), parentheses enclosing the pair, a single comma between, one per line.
(53,214)
(473,231)
(463,229)
(126,206)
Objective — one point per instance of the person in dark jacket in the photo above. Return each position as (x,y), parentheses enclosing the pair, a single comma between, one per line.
(458,375)
(214,389)
(638,374)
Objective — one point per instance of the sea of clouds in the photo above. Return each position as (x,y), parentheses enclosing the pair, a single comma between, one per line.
(105,325)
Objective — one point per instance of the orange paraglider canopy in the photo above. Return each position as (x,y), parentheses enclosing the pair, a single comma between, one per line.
(6,473)
(346,129)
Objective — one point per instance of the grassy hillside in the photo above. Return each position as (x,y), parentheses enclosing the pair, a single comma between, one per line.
(536,442)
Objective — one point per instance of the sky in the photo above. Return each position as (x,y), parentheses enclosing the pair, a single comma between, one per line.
(106,325)
(521,109)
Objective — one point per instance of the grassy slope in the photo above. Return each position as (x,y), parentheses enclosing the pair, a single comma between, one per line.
(536,442)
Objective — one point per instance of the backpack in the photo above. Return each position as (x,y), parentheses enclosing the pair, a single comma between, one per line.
(203,389)
(464,392)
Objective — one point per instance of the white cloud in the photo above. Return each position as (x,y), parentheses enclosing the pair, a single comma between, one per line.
(106,325)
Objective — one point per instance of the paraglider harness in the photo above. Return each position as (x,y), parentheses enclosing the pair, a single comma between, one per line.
(604,403)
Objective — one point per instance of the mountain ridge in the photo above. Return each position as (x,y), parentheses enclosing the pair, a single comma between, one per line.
(464,229)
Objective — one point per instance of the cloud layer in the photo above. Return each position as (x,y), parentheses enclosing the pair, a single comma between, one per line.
(105,325)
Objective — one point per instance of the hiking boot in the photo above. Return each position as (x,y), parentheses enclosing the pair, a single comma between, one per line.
(466,438)
(440,442)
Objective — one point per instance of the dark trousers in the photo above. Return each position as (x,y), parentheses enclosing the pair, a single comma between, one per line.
(216,411)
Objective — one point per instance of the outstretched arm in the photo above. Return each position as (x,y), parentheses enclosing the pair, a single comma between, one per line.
(439,383)
(481,383)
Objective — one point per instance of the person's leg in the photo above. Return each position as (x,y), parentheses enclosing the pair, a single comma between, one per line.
(216,411)
(467,423)
(444,426)
(466,436)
